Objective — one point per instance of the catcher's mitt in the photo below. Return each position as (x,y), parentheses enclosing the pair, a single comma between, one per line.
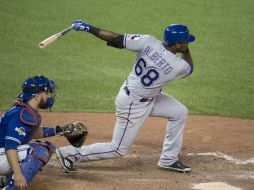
(75,133)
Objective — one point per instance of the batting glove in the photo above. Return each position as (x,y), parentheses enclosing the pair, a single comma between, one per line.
(81,25)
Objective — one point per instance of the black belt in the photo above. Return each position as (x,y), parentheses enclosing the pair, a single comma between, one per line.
(141,100)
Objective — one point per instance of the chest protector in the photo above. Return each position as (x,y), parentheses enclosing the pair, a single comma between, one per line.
(28,116)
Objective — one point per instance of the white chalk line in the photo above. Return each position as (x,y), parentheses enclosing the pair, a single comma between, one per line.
(224,156)
(216,154)
(247,175)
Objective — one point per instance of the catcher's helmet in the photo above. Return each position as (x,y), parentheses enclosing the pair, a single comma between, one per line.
(177,33)
(36,85)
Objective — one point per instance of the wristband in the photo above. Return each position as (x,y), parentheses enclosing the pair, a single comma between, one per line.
(48,131)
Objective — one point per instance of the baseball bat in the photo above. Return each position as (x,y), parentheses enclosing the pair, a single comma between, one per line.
(45,43)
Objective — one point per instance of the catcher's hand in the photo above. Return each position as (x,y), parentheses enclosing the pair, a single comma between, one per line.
(75,133)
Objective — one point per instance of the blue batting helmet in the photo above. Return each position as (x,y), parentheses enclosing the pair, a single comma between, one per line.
(36,85)
(177,33)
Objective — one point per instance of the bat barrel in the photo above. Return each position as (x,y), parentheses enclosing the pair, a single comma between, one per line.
(54,37)
(41,45)
(49,40)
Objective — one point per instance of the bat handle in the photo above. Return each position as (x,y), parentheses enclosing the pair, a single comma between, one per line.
(68,29)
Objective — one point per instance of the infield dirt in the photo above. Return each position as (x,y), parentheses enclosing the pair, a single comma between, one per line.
(138,170)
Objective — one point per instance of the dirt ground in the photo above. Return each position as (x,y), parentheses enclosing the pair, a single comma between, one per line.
(138,170)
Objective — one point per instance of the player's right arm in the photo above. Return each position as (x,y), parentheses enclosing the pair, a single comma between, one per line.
(20,180)
(15,134)
(187,57)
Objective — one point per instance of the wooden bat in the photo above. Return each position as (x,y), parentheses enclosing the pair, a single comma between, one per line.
(45,43)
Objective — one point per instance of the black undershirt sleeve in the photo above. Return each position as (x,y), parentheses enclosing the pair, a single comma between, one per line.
(117,42)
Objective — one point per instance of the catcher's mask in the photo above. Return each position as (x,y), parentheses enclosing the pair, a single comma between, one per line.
(36,85)
(177,33)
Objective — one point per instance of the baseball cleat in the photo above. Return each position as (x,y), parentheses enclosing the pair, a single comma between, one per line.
(177,166)
(65,163)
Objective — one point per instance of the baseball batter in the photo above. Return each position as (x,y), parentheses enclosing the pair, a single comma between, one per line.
(141,95)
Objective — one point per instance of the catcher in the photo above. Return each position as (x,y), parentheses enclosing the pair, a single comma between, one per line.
(20,158)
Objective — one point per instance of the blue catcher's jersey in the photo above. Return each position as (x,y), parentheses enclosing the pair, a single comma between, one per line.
(18,125)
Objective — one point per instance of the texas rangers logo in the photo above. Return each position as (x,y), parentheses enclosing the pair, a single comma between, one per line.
(20,130)
(135,37)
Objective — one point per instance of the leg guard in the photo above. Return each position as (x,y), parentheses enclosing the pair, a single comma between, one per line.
(42,150)
(39,154)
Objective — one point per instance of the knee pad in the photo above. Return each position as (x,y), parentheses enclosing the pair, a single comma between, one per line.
(38,155)
(42,150)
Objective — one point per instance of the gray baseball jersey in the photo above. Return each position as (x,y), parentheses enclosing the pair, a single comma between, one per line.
(155,66)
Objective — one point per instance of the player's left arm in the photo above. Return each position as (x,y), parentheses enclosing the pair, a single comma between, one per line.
(133,42)
(44,132)
(187,57)
(41,130)
(75,133)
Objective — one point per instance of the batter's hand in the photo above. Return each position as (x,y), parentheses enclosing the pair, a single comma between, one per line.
(20,182)
(81,25)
